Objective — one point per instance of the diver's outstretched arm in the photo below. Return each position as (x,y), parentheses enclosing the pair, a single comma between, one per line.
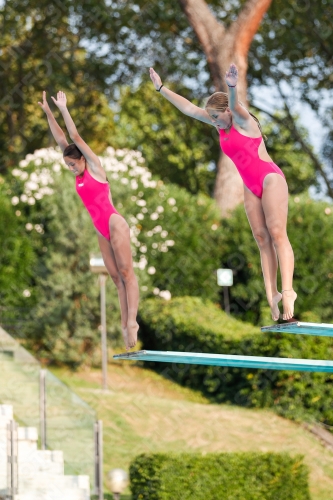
(91,157)
(56,130)
(184,105)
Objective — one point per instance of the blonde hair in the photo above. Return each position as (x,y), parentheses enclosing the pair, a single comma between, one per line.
(220,102)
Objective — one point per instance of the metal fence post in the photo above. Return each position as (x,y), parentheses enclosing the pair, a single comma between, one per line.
(42,408)
(12,462)
(102,280)
(98,432)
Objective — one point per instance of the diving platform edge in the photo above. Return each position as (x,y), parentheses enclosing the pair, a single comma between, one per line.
(299,327)
(227,360)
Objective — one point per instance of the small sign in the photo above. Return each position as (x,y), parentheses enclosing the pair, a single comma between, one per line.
(225,277)
(97,264)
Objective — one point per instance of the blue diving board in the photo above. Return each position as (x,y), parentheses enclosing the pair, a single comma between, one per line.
(193,358)
(319,329)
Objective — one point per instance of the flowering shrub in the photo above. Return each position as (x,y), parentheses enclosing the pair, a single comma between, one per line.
(163,218)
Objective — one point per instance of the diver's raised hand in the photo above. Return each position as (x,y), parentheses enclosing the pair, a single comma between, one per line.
(61,100)
(155,78)
(44,104)
(231,76)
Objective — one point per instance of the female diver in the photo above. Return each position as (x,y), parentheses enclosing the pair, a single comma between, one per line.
(265,186)
(112,230)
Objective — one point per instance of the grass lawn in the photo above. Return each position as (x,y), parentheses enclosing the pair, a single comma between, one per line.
(143,412)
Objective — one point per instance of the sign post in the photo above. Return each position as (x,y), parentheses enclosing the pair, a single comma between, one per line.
(225,279)
(97,266)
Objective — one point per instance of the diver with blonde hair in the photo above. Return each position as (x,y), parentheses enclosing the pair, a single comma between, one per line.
(265,186)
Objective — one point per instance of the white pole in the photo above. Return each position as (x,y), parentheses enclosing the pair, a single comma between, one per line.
(102,280)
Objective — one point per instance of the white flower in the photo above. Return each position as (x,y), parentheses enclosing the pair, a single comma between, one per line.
(164,234)
(26,293)
(169,243)
(151,270)
(24,198)
(16,172)
(28,226)
(143,249)
(141,203)
(214,227)
(165,294)
(56,167)
(31,185)
(140,216)
(15,200)
(157,229)
(172,201)
(159,209)
(39,228)
(124,180)
(156,291)
(154,216)
(31,200)
(155,245)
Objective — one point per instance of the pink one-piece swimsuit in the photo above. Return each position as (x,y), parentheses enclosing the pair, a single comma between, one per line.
(243,151)
(95,197)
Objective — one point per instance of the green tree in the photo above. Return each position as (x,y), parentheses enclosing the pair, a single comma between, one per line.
(176,148)
(291,55)
(42,48)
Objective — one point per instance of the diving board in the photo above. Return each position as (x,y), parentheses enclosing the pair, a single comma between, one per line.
(266,363)
(319,329)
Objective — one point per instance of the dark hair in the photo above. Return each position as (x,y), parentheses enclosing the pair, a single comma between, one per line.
(72,151)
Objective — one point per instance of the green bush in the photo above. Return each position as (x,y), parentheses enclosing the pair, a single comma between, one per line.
(16,261)
(310,233)
(231,476)
(190,324)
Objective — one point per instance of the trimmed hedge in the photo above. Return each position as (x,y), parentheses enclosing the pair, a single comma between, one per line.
(193,325)
(231,476)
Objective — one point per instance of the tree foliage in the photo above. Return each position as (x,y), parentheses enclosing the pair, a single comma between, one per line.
(43,48)
(176,148)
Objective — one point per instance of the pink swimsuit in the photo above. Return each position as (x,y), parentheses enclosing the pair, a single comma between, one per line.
(244,153)
(95,197)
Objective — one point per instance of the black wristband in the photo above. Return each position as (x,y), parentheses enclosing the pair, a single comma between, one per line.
(232,86)
(159,90)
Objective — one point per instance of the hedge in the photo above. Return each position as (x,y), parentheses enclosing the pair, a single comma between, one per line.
(231,476)
(191,324)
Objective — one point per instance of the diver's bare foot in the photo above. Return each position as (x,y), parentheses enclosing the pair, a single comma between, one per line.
(288,299)
(132,334)
(274,306)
